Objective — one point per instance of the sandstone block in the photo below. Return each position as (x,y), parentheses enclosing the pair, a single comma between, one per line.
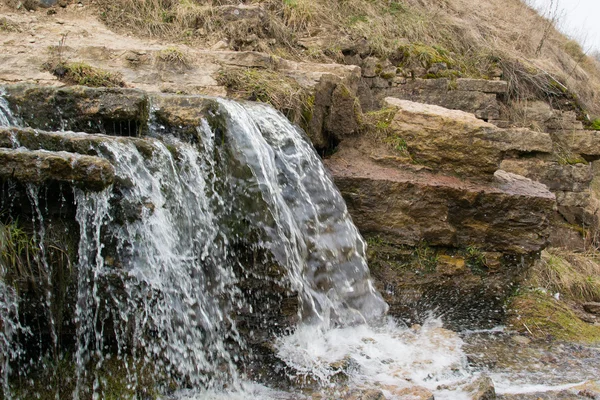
(558,177)
(457,142)
(511,214)
(482,85)
(586,143)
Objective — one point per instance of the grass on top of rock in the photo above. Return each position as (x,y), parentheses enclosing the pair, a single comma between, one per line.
(268,86)
(576,276)
(490,36)
(79,73)
(174,57)
(556,284)
(377,125)
(540,315)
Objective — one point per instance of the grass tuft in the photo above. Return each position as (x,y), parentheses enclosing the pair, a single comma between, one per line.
(79,73)
(173,57)
(576,276)
(266,86)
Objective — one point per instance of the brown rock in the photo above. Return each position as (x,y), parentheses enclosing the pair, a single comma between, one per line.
(366,394)
(450,265)
(482,85)
(442,93)
(411,393)
(586,143)
(456,141)
(573,178)
(81,143)
(512,214)
(482,389)
(121,112)
(91,173)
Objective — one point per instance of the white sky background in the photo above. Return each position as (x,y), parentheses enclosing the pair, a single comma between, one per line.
(579,19)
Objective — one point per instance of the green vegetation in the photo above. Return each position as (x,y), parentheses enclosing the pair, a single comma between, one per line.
(542,316)
(475,260)
(173,57)
(576,276)
(18,255)
(79,73)
(268,86)
(595,125)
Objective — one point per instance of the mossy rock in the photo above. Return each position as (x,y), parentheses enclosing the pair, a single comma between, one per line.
(542,316)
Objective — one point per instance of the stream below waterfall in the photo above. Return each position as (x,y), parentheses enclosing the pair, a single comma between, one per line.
(166,256)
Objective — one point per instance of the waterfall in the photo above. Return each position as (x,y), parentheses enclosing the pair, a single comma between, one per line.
(177,262)
(160,254)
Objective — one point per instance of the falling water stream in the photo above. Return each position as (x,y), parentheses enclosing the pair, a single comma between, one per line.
(161,255)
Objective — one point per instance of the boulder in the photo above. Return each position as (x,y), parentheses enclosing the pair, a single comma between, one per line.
(121,112)
(40,166)
(573,178)
(586,143)
(457,142)
(510,214)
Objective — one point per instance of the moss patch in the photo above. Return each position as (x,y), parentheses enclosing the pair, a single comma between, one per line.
(271,87)
(540,315)
(79,73)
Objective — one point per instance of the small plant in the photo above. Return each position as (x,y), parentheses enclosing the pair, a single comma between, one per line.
(475,259)
(79,73)
(425,257)
(266,86)
(172,56)
(595,124)
(7,25)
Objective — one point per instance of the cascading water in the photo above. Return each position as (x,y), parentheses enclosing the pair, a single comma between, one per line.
(167,235)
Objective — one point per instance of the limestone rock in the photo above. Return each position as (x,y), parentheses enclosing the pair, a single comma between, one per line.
(510,214)
(482,389)
(573,178)
(482,85)
(412,393)
(92,173)
(72,142)
(456,141)
(121,112)
(366,394)
(586,143)
(443,93)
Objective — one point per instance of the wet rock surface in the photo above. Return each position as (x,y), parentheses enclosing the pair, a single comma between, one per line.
(41,166)
(536,369)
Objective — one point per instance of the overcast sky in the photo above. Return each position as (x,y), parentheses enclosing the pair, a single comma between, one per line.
(580,21)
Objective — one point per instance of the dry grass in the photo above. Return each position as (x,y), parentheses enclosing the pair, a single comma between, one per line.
(476,36)
(576,276)
(271,87)
(174,58)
